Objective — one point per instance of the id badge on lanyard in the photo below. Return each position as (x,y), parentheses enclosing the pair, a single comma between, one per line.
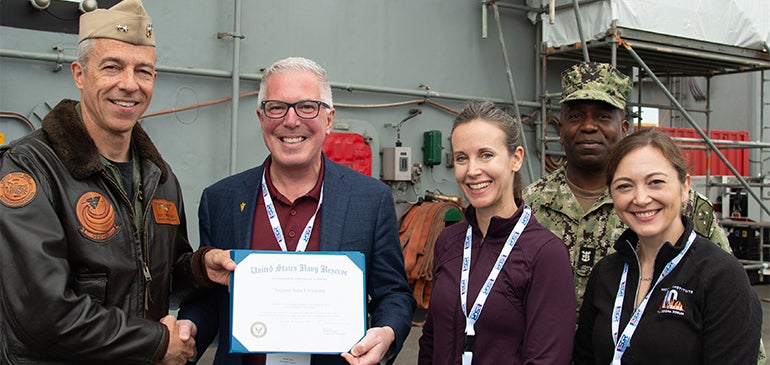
(287,359)
(475,312)
(272,214)
(622,342)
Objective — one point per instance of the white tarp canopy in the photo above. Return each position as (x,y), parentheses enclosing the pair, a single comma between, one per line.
(740,23)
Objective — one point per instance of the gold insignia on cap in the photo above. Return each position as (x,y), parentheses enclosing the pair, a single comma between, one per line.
(127,21)
(17,189)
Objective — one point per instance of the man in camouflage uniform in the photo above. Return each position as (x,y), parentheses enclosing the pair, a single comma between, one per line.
(573,201)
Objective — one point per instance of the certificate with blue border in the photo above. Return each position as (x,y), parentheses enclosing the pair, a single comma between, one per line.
(297,302)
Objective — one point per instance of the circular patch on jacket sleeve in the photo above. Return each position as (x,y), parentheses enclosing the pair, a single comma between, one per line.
(17,189)
(96,216)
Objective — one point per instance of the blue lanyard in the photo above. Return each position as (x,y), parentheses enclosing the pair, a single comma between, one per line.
(272,215)
(625,339)
(478,305)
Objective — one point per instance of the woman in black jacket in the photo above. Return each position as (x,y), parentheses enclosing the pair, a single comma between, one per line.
(668,295)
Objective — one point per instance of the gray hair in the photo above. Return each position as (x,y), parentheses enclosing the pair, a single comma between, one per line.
(297,64)
(84,51)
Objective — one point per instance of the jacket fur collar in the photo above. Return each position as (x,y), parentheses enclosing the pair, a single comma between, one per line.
(75,147)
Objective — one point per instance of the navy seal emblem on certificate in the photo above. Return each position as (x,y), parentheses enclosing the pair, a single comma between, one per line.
(297,302)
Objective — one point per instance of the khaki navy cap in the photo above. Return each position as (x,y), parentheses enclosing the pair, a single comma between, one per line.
(595,81)
(126,21)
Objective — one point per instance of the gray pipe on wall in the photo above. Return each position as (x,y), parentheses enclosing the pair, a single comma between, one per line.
(430,94)
(236,86)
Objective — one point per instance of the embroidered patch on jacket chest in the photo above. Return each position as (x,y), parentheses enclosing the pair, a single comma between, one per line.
(96,216)
(17,189)
(165,212)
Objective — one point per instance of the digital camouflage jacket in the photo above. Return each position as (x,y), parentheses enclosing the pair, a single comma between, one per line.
(590,235)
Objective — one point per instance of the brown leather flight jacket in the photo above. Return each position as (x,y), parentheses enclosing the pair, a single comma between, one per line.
(79,284)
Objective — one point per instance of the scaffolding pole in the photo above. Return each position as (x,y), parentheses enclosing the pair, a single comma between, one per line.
(514,99)
(689,119)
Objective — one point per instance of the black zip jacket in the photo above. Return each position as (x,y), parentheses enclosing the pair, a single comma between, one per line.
(703,312)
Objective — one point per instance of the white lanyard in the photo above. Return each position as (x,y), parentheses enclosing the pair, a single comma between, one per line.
(471,318)
(622,344)
(276,224)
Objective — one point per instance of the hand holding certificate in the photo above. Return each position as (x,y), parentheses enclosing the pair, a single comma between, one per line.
(297,302)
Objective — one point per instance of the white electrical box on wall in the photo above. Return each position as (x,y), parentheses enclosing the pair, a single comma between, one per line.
(397,163)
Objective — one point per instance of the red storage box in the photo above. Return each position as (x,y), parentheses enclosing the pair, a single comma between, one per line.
(738,157)
(349,149)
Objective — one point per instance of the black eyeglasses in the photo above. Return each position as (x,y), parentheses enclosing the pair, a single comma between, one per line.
(305,109)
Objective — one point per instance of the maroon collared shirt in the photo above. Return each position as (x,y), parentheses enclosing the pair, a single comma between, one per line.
(293,217)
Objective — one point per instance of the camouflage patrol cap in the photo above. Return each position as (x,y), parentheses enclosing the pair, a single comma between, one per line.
(595,81)
(126,21)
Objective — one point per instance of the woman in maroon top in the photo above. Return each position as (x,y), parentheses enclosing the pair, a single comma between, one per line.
(518,304)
